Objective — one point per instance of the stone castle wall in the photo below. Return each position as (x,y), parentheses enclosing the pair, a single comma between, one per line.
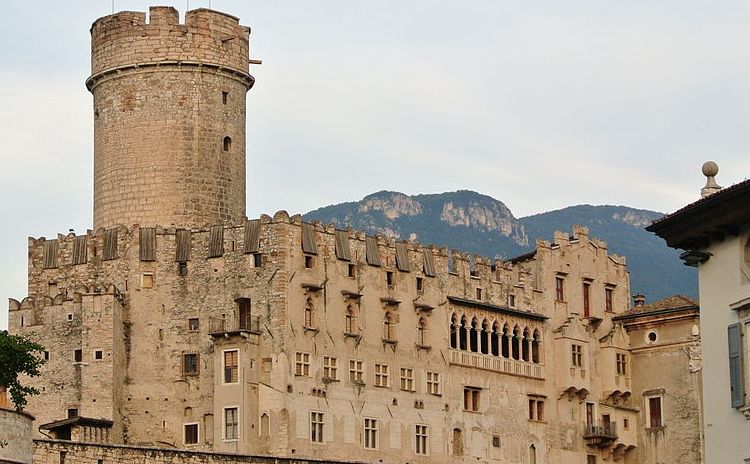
(169,118)
(16,432)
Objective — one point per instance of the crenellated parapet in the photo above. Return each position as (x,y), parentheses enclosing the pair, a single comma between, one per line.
(131,39)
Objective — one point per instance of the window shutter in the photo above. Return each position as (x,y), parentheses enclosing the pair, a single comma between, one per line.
(79,250)
(216,241)
(148,244)
(373,255)
(50,254)
(252,236)
(110,245)
(402,257)
(182,250)
(429,263)
(735,365)
(342,246)
(308,239)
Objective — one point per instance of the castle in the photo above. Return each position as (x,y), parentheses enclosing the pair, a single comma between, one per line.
(178,325)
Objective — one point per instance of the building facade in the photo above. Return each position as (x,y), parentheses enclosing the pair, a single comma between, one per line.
(178,323)
(715,234)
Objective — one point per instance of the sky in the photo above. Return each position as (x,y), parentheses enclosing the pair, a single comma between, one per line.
(541,105)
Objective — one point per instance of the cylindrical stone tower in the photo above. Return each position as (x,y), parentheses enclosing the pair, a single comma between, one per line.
(169,117)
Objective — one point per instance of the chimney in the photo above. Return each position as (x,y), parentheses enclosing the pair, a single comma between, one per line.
(639,299)
(710,169)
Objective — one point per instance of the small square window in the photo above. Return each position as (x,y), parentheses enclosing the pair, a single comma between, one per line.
(182,269)
(193,324)
(147,280)
(98,354)
(78,356)
(308,262)
(471,399)
(46,355)
(190,365)
(257,260)
(72,412)
(70,316)
(496,441)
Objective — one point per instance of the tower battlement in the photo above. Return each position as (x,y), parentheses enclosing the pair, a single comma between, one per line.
(129,38)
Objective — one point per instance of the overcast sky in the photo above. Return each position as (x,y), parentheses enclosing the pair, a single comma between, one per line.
(539,104)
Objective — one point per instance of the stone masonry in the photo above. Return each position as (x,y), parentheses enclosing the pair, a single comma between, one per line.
(179,324)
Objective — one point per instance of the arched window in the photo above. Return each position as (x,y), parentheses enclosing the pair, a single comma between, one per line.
(532,454)
(462,333)
(309,313)
(505,342)
(422,332)
(454,332)
(265,426)
(243,313)
(350,322)
(458,442)
(473,345)
(388,327)
(535,354)
(525,345)
(495,340)
(515,343)
(227,143)
(485,337)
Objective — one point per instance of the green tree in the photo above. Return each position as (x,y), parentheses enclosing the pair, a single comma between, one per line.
(19,355)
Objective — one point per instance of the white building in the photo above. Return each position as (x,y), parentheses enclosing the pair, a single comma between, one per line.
(715,234)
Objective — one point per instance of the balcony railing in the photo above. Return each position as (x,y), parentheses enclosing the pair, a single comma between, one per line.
(600,433)
(496,364)
(233,324)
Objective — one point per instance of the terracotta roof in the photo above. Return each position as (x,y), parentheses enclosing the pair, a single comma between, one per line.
(670,304)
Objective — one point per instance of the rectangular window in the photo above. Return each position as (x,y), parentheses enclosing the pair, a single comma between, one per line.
(576,355)
(224,97)
(193,324)
(622,366)
(72,412)
(536,408)
(433,383)
(191,434)
(371,433)
(190,363)
(231,369)
(389,278)
(736,370)
(356,371)
(330,368)
(559,288)
(302,364)
(78,356)
(590,459)
(420,284)
(231,424)
(317,422)
(381,375)
(257,260)
(308,262)
(586,299)
(407,379)
(654,412)
(421,444)
(351,270)
(479,293)
(608,300)
(512,301)
(471,399)
(98,354)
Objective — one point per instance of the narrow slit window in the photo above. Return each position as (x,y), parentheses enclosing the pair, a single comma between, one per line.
(224,97)
(227,143)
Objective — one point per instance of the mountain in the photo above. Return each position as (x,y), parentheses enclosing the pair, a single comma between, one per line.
(471,222)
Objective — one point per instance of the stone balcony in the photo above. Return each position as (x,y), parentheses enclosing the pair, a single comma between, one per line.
(496,364)
(233,325)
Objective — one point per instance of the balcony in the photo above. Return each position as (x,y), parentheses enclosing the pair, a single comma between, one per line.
(233,325)
(600,434)
(496,364)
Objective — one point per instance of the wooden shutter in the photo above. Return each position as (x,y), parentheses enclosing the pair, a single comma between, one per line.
(373,255)
(216,241)
(110,245)
(308,239)
(342,245)
(183,239)
(735,365)
(252,236)
(402,257)
(148,244)
(429,262)
(50,254)
(79,250)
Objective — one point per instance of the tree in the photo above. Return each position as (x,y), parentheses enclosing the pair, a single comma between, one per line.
(19,355)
